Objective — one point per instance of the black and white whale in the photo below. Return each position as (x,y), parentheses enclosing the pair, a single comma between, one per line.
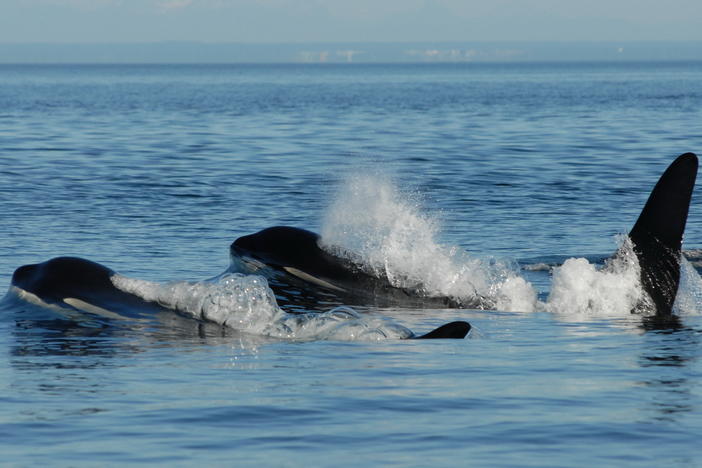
(297,260)
(80,284)
(76,284)
(293,257)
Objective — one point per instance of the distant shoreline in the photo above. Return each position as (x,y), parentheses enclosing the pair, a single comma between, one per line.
(356,52)
(516,64)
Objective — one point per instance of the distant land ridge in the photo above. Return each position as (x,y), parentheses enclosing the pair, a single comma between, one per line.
(351,52)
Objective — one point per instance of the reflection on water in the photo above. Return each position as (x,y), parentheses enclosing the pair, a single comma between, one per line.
(662,323)
(37,338)
(668,354)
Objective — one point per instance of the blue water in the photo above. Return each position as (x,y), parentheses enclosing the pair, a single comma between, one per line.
(154,170)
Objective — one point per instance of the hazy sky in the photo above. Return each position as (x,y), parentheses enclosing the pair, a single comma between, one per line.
(347,20)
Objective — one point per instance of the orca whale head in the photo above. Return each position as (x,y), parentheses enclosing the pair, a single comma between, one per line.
(277,246)
(296,252)
(61,276)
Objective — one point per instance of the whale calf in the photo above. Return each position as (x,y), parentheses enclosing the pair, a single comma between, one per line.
(293,256)
(75,284)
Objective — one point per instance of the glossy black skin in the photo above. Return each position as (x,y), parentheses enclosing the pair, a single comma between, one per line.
(283,246)
(451,330)
(72,277)
(658,233)
(63,277)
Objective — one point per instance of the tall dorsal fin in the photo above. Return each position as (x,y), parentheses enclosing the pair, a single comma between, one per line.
(658,233)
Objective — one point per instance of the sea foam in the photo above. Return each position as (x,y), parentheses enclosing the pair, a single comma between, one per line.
(580,290)
(246,303)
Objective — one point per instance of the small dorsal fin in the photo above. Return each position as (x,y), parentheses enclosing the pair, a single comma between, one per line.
(457,330)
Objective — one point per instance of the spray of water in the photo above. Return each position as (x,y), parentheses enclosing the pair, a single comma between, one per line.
(373,224)
(580,290)
(689,298)
(247,304)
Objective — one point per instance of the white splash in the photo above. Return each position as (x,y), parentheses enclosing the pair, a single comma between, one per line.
(689,298)
(373,224)
(581,291)
(246,303)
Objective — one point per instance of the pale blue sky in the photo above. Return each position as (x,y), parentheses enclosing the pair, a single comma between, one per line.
(348,20)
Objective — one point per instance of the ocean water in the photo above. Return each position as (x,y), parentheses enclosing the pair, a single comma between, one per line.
(492,175)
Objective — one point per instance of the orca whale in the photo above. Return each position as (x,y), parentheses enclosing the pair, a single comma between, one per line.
(75,284)
(293,256)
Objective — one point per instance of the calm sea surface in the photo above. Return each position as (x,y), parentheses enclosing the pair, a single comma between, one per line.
(154,170)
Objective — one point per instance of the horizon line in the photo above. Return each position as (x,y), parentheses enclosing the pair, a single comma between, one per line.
(419,41)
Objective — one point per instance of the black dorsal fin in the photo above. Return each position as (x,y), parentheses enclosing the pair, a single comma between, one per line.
(658,233)
(457,330)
